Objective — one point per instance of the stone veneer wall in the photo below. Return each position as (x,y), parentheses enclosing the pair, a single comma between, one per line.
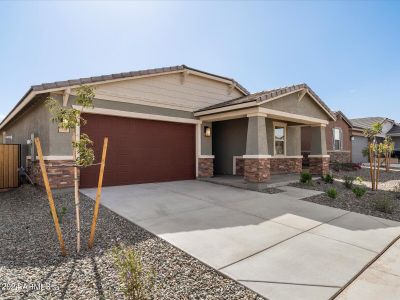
(206,167)
(257,169)
(319,165)
(340,156)
(239,166)
(286,165)
(59,176)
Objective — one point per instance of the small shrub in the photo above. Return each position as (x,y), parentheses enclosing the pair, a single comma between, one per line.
(305,177)
(348,181)
(327,178)
(384,205)
(332,193)
(137,282)
(359,191)
(359,179)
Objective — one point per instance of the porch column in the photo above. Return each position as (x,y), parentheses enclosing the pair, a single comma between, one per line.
(205,160)
(319,158)
(294,159)
(256,159)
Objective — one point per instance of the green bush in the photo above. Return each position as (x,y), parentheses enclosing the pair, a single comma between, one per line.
(137,282)
(332,193)
(327,178)
(305,177)
(359,191)
(348,181)
(384,205)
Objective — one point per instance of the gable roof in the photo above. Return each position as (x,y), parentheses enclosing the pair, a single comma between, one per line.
(364,123)
(60,85)
(395,130)
(344,117)
(132,74)
(259,97)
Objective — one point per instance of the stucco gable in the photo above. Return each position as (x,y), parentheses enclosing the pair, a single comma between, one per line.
(291,104)
(169,90)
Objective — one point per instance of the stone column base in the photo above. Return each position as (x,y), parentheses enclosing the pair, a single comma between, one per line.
(59,176)
(286,165)
(340,156)
(205,167)
(256,169)
(319,165)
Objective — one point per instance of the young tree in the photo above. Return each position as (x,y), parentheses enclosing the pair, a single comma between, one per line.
(71,119)
(388,148)
(373,148)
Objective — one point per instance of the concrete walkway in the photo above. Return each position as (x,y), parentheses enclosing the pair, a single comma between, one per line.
(275,244)
(380,281)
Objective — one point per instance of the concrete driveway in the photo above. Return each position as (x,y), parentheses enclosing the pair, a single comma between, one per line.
(275,244)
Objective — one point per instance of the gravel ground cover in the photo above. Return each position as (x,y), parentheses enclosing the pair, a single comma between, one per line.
(347,200)
(31,267)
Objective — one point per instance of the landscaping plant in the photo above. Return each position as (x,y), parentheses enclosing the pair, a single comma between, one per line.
(348,181)
(374,153)
(359,191)
(137,281)
(305,177)
(71,119)
(388,148)
(327,178)
(332,193)
(384,204)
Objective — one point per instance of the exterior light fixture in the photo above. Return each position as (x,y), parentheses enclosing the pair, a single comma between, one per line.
(207,131)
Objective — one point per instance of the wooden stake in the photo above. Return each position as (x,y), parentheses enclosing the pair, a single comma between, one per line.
(50,197)
(98,194)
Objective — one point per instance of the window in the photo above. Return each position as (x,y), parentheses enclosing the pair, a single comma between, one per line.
(337,138)
(279,139)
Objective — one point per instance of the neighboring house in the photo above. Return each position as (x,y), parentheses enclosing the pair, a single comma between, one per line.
(172,124)
(394,133)
(338,139)
(360,142)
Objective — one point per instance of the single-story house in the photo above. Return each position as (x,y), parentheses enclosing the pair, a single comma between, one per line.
(359,141)
(174,123)
(338,139)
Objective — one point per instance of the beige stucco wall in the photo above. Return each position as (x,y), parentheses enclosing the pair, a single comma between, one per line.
(171,90)
(306,107)
(35,119)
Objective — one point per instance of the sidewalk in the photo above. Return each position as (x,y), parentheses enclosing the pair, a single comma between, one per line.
(380,281)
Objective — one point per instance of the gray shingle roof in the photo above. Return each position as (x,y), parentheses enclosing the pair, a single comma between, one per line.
(365,123)
(95,79)
(265,95)
(395,129)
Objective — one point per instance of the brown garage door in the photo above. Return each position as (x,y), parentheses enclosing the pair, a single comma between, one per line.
(140,151)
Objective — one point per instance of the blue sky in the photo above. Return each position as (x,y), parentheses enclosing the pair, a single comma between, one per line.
(348,52)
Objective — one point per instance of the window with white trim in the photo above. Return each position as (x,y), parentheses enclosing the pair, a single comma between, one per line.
(279,139)
(337,139)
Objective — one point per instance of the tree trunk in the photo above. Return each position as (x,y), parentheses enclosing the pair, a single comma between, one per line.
(76,193)
(378,171)
(371,171)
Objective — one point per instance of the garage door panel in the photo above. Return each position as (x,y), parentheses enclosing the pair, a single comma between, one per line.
(140,151)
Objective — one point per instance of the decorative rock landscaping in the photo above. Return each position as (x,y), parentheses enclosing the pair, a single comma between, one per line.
(31,267)
(384,203)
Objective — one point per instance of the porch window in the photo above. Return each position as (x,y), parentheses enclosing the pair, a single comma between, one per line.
(337,139)
(279,139)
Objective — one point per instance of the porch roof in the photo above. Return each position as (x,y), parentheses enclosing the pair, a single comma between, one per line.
(257,99)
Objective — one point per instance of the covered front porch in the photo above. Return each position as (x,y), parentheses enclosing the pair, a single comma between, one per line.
(258,143)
